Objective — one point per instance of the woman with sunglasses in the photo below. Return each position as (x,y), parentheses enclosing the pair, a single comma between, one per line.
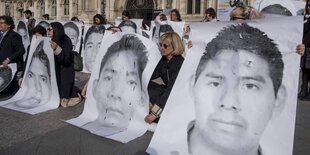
(63,55)
(165,74)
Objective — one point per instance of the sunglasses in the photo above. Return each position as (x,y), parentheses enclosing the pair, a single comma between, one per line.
(49,29)
(165,46)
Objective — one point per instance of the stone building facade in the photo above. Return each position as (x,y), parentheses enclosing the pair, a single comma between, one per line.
(191,10)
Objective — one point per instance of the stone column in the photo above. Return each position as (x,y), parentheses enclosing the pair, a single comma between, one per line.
(35,10)
(15,17)
(59,11)
(71,11)
(2,8)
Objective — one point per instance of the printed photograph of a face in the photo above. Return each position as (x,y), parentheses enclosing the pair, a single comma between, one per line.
(92,43)
(6,75)
(74,31)
(37,92)
(22,30)
(117,99)
(243,89)
(37,80)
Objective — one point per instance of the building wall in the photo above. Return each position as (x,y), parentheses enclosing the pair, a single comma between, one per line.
(86,9)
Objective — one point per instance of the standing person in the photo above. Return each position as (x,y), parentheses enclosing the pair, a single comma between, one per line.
(210,15)
(62,46)
(99,20)
(30,21)
(305,59)
(165,74)
(11,51)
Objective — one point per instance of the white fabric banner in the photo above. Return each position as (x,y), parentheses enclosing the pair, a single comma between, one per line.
(7,75)
(38,92)
(237,101)
(117,98)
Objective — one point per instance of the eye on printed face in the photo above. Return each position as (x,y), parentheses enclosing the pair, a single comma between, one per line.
(91,49)
(118,91)
(234,100)
(38,85)
(73,35)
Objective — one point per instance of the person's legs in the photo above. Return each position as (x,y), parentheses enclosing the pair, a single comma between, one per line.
(304,83)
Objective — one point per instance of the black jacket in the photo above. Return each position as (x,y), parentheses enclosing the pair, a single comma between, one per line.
(168,72)
(12,47)
(63,62)
(305,59)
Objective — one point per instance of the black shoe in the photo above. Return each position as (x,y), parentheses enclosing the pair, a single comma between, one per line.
(302,94)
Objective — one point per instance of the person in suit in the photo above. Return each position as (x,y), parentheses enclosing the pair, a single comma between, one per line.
(11,51)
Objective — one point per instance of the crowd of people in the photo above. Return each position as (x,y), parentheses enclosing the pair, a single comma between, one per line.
(171,46)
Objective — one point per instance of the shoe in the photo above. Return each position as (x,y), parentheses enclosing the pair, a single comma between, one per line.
(64,102)
(303,93)
(74,101)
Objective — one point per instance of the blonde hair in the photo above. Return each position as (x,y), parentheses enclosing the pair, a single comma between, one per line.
(173,39)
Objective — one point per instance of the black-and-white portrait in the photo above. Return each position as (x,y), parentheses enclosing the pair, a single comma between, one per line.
(117,94)
(162,29)
(241,97)
(6,75)
(92,42)
(38,91)
(73,32)
(128,26)
(43,23)
(23,31)
(37,80)
(275,8)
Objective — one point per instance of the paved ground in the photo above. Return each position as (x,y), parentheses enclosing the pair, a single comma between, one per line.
(47,133)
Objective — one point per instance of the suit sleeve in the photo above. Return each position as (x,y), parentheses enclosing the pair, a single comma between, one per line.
(18,48)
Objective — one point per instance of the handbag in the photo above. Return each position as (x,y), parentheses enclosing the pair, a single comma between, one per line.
(77,62)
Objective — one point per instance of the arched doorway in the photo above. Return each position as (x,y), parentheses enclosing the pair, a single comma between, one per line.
(142,9)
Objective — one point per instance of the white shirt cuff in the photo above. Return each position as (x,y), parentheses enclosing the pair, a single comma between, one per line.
(58,50)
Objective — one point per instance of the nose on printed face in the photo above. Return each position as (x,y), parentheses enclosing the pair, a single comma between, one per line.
(117,91)
(230,101)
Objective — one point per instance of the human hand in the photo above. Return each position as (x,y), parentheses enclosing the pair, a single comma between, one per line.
(149,118)
(53,45)
(189,44)
(6,62)
(20,81)
(84,90)
(300,49)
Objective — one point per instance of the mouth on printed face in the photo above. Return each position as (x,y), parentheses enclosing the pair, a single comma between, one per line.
(233,125)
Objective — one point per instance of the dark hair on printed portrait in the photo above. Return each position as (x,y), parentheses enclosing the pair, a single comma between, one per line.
(128,23)
(165,28)
(128,43)
(42,56)
(253,40)
(73,26)
(276,9)
(100,29)
(6,75)
(21,25)
(44,24)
